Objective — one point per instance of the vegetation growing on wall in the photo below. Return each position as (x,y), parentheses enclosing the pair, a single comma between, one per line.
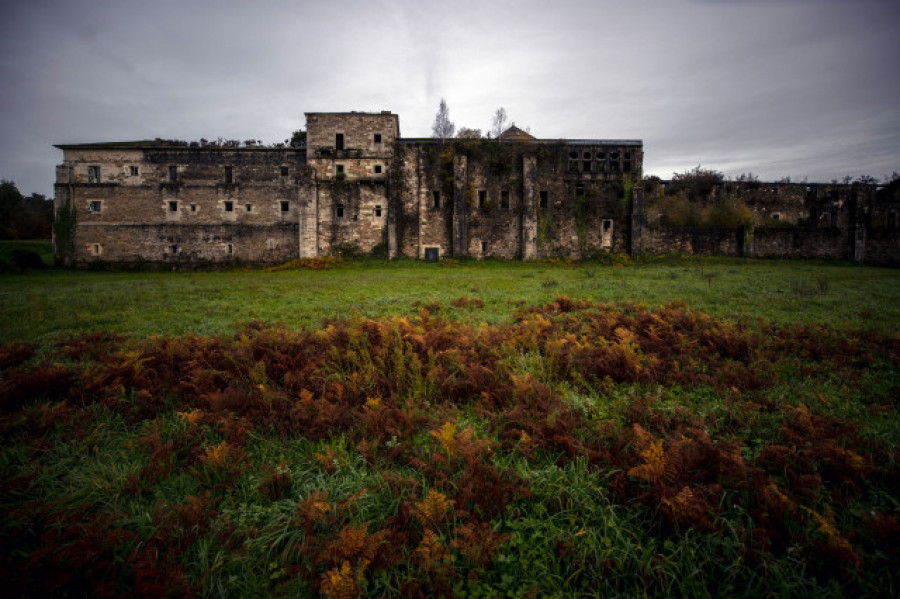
(64,232)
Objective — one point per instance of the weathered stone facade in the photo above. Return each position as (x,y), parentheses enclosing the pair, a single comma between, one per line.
(357,186)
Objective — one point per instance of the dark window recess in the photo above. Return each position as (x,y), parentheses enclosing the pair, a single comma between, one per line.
(586,155)
(94,206)
(339,141)
(573,154)
(249,207)
(579,191)
(627,155)
(173,206)
(377,169)
(378,211)
(173,173)
(614,166)
(378,138)
(504,199)
(573,166)
(193,207)
(614,155)
(586,166)
(436,199)
(626,166)
(173,249)
(93,174)
(285,206)
(339,170)
(544,199)
(776,216)
(229,206)
(230,249)
(482,199)
(284,171)
(431,254)
(601,155)
(607,225)
(484,247)
(229,175)
(133,171)
(339,210)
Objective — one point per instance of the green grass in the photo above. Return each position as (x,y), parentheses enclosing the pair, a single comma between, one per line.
(42,248)
(42,306)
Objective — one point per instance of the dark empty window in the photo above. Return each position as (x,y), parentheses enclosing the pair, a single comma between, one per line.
(339,141)
(378,211)
(229,175)
(230,249)
(378,138)
(339,170)
(431,254)
(579,191)
(339,210)
(573,154)
(133,171)
(627,155)
(586,166)
(94,206)
(284,171)
(607,225)
(601,155)
(377,169)
(573,166)
(93,174)
(614,166)
(285,206)
(249,207)
(544,199)
(173,173)
(482,199)
(504,199)
(484,247)
(614,155)
(193,207)
(626,166)
(436,199)
(229,206)
(173,206)
(586,155)
(173,249)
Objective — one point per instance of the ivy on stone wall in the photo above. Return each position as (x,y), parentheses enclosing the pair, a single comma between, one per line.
(64,233)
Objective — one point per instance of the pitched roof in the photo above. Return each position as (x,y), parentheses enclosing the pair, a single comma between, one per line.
(516,134)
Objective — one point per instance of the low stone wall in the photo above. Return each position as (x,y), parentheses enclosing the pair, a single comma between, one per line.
(796,242)
(186,245)
(882,246)
(693,240)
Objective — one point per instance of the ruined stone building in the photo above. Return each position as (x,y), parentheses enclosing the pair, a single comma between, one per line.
(358,187)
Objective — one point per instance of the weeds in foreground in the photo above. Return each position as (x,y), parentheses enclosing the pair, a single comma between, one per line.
(582,448)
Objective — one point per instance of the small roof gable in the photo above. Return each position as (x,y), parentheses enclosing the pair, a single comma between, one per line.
(516,134)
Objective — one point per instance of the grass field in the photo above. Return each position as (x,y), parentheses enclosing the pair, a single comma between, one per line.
(681,427)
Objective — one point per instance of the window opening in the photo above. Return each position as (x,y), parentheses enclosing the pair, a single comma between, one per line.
(173,206)
(230,249)
(377,169)
(229,206)
(579,191)
(285,206)
(249,207)
(626,166)
(436,199)
(229,175)
(432,254)
(378,138)
(133,171)
(94,206)
(573,166)
(339,170)
(484,247)
(378,211)
(339,141)
(573,154)
(586,155)
(340,211)
(482,199)
(96,249)
(173,249)
(193,207)
(607,225)
(544,199)
(173,173)
(504,199)
(284,171)
(93,174)
(586,166)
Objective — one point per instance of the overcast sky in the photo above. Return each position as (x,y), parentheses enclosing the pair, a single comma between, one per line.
(807,89)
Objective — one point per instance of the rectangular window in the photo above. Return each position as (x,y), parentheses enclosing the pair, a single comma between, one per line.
(229,206)
(378,211)
(484,247)
(586,166)
(133,171)
(504,199)
(573,166)
(229,175)
(285,206)
(436,200)
(432,254)
(94,206)
(193,207)
(93,174)
(482,199)
(230,249)
(579,192)
(339,210)
(339,171)
(284,171)
(249,207)
(377,169)
(339,141)
(544,199)
(173,206)
(626,167)
(173,173)
(96,249)
(378,138)
(173,249)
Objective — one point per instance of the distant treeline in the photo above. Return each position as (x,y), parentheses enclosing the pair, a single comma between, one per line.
(24,217)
